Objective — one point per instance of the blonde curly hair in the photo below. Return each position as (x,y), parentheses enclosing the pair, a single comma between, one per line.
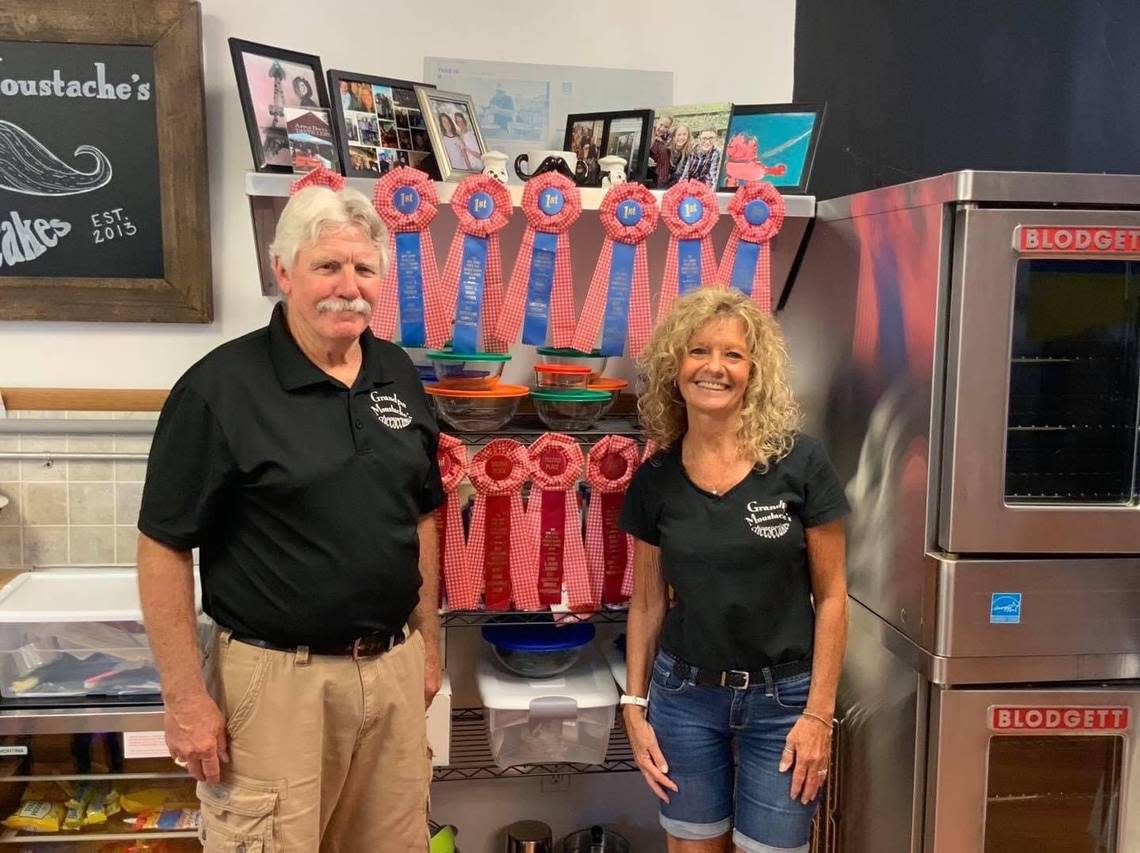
(769,415)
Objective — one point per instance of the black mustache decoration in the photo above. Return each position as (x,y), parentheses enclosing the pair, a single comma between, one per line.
(27,166)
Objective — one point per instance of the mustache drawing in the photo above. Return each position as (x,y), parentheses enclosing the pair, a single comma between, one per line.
(27,166)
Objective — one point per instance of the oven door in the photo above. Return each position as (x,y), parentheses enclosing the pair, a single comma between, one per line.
(1042,373)
(1048,771)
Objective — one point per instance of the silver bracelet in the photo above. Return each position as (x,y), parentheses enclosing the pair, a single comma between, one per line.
(829,723)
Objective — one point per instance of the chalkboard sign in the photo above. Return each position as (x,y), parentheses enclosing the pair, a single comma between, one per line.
(104,210)
(79,191)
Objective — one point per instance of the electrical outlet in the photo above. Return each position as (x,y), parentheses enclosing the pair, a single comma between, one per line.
(556,783)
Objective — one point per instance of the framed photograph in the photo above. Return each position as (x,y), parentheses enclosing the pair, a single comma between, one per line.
(592,136)
(454,132)
(104,198)
(310,139)
(771,142)
(271,80)
(688,142)
(379,125)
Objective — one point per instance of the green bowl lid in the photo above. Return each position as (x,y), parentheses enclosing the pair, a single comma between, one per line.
(448,355)
(568,352)
(571,395)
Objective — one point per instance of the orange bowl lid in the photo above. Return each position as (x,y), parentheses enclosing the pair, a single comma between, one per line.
(564,369)
(500,390)
(606,383)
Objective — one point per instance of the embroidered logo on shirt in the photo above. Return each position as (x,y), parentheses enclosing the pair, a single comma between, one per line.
(768,521)
(390,410)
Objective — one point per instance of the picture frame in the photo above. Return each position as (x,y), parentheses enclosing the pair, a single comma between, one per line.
(771,142)
(269,79)
(625,133)
(670,151)
(170,37)
(396,109)
(455,151)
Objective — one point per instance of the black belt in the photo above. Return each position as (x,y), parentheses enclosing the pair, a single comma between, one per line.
(738,677)
(362,647)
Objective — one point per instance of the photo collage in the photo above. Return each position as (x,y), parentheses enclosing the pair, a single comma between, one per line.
(276,85)
(384,127)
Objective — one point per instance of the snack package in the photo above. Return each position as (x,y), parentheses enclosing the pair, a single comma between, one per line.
(103,807)
(36,816)
(45,792)
(154,799)
(168,820)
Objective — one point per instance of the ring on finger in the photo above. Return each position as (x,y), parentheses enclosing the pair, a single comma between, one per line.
(822,772)
(181,762)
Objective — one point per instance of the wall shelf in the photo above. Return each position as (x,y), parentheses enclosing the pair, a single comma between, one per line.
(271,184)
(471,754)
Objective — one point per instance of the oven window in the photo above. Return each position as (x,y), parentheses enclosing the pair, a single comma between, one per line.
(1073,383)
(1057,794)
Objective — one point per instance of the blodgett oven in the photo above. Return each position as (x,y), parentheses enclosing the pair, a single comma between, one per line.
(969,348)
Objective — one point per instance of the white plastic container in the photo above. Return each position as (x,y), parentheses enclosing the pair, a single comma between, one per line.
(74,632)
(538,721)
(439,725)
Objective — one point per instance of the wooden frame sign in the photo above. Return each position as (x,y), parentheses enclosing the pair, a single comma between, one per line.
(104,200)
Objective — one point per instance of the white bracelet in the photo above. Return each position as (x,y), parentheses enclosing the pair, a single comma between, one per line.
(640,701)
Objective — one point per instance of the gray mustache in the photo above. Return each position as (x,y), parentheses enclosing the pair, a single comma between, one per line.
(333,304)
(27,166)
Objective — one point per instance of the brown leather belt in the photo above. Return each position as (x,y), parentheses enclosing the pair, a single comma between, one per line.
(362,647)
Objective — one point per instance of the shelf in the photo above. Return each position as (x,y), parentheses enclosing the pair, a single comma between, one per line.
(269,184)
(527,428)
(469,618)
(81,719)
(11,836)
(471,754)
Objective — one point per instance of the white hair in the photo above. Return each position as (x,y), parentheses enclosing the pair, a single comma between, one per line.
(315,209)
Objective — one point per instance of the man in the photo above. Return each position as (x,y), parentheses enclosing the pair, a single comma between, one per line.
(301,460)
(704,163)
(659,150)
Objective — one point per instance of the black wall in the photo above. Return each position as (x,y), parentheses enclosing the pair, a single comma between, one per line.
(920,87)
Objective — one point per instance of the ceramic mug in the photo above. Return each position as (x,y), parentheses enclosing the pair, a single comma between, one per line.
(534,159)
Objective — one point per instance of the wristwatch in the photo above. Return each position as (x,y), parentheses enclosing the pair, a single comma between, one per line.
(640,701)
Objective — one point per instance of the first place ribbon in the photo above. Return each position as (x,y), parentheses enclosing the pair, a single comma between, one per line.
(609,469)
(459,592)
(690,210)
(617,303)
(540,295)
(757,214)
(555,521)
(473,274)
(406,201)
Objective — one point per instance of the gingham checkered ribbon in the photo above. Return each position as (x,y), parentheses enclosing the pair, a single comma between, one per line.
(554,521)
(488,228)
(561,307)
(609,550)
(757,214)
(690,210)
(321,176)
(651,447)
(498,563)
(404,216)
(452,456)
(618,300)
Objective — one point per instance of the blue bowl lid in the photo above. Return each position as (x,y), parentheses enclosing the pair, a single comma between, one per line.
(539,638)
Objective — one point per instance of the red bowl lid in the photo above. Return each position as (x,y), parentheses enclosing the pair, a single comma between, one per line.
(500,390)
(564,369)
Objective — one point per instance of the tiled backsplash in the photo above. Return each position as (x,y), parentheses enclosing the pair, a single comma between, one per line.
(73,512)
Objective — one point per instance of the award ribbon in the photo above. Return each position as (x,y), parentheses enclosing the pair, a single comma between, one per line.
(459,593)
(609,549)
(757,214)
(554,521)
(690,210)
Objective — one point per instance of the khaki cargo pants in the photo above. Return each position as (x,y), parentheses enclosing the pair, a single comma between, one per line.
(327,754)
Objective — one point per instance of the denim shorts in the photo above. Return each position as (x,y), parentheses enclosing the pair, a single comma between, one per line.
(723,746)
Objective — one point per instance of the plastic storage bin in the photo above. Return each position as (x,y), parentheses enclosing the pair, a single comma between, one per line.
(537,721)
(74,632)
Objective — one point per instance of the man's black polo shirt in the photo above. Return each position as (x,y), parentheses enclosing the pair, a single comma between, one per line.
(302,494)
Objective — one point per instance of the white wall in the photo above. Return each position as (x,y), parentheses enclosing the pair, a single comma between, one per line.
(695,40)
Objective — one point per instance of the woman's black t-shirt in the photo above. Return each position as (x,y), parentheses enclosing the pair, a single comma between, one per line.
(738,561)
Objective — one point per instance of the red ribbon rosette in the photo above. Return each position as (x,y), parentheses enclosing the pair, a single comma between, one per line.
(321,176)
(757,215)
(690,210)
(554,521)
(497,556)
(452,458)
(609,549)
(482,208)
(541,289)
(406,201)
(617,303)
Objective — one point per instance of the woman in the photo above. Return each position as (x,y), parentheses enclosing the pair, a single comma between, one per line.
(680,148)
(453,144)
(304,92)
(470,143)
(739,513)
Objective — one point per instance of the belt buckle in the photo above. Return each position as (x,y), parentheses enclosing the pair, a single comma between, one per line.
(724,676)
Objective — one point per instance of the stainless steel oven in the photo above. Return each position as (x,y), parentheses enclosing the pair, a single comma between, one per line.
(968,346)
